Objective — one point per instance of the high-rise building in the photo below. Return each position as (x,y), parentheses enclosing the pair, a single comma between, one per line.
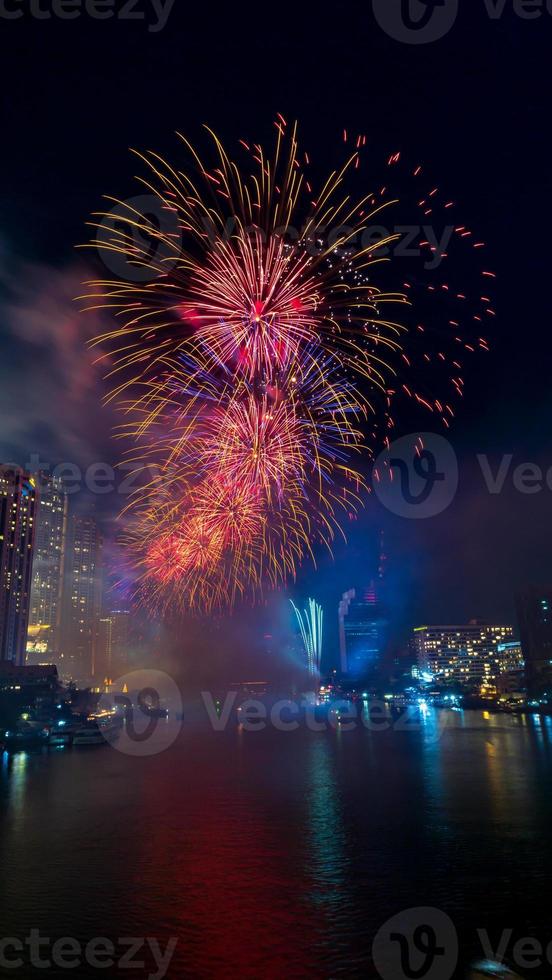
(510,655)
(114,640)
(512,679)
(18,504)
(363,624)
(104,659)
(44,638)
(120,636)
(534,610)
(343,611)
(362,632)
(83,599)
(473,655)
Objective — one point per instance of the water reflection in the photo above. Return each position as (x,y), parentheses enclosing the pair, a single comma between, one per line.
(244,844)
(327,862)
(14,770)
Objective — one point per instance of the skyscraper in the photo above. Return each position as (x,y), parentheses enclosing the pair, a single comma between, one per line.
(103,660)
(363,624)
(362,632)
(342,612)
(534,609)
(83,598)
(48,569)
(120,637)
(18,503)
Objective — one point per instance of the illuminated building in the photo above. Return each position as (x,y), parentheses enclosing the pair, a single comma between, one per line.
(363,624)
(38,645)
(28,679)
(534,610)
(510,656)
(43,641)
(473,656)
(362,632)
(120,636)
(343,611)
(18,504)
(83,594)
(104,656)
(112,647)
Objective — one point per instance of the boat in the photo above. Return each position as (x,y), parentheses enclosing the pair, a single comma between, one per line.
(61,733)
(158,712)
(88,734)
(99,729)
(24,735)
(489,970)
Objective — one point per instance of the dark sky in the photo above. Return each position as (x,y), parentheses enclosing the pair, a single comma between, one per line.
(474,105)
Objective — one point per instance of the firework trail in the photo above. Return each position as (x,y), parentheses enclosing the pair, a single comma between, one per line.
(311,626)
(256,358)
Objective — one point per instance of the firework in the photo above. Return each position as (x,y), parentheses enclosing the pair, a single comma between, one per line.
(255,363)
(310,623)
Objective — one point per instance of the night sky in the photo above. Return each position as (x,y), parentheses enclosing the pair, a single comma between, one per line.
(474,106)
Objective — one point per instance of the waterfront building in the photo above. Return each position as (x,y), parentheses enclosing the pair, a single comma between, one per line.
(362,631)
(18,505)
(472,656)
(104,658)
(363,624)
(120,637)
(44,637)
(83,599)
(534,610)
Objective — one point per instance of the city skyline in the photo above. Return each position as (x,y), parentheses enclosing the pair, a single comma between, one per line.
(275,574)
(74,623)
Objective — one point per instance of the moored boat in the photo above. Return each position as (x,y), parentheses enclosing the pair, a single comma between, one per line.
(98,729)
